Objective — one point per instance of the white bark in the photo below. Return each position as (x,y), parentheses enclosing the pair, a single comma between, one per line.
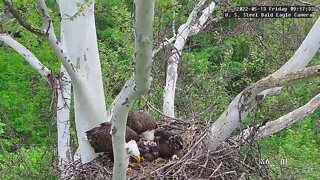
(79,55)
(79,36)
(76,155)
(122,105)
(244,102)
(163,45)
(27,55)
(277,125)
(63,118)
(135,87)
(302,56)
(290,118)
(63,86)
(191,27)
(203,19)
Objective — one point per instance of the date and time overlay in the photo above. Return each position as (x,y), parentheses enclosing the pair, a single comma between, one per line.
(271,12)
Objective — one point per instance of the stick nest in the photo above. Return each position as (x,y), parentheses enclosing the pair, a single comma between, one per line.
(197,162)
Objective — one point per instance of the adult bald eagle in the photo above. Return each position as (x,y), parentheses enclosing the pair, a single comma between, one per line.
(148,150)
(101,140)
(169,144)
(143,124)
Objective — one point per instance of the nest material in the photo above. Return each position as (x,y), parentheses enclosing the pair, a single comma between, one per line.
(197,162)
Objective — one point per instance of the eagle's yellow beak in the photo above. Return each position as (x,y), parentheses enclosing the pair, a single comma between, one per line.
(135,162)
(137,159)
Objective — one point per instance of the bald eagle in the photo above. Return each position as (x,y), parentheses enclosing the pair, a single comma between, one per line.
(148,150)
(101,141)
(169,144)
(143,124)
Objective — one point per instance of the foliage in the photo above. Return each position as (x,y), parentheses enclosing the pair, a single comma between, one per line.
(30,163)
(27,124)
(297,147)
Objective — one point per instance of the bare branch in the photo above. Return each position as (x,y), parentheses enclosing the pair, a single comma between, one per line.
(173,61)
(246,100)
(271,127)
(173,21)
(192,26)
(163,45)
(55,44)
(301,57)
(28,56)
(202,21)
(22,21)
(290,118)
(48,33)
(274,81)
(143,46)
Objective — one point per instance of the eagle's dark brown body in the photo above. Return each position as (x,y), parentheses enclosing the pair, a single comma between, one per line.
(168,143)
(148,150)
(101,139)
(160,143)
(141,122)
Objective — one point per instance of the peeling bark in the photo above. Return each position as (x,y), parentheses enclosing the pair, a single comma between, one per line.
(28,56)
(272,127)
(135,86)
(191,27)
(63,86)
(79,38)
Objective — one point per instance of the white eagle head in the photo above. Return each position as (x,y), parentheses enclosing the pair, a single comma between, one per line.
(133,150)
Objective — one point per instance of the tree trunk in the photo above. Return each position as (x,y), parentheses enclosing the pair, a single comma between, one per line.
(191,27)
(79,37)
(135,86)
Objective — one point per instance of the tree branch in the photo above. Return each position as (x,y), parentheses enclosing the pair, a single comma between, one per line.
(275,81)
(173,61)
(28,56)
(23,22)
(192,27)
(203,19)
(271,127)
(290,118)
(163,45)
(55,44)
(301,57)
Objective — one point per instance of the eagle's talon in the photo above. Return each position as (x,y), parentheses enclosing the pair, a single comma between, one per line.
(175,157)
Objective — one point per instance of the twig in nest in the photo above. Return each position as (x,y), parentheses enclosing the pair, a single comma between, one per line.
(187,154)
(197,163)
(215,170)
(225,173)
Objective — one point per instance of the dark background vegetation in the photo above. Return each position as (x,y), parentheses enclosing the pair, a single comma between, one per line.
(216,65)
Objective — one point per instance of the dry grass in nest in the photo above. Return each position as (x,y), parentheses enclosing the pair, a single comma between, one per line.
(197,162)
